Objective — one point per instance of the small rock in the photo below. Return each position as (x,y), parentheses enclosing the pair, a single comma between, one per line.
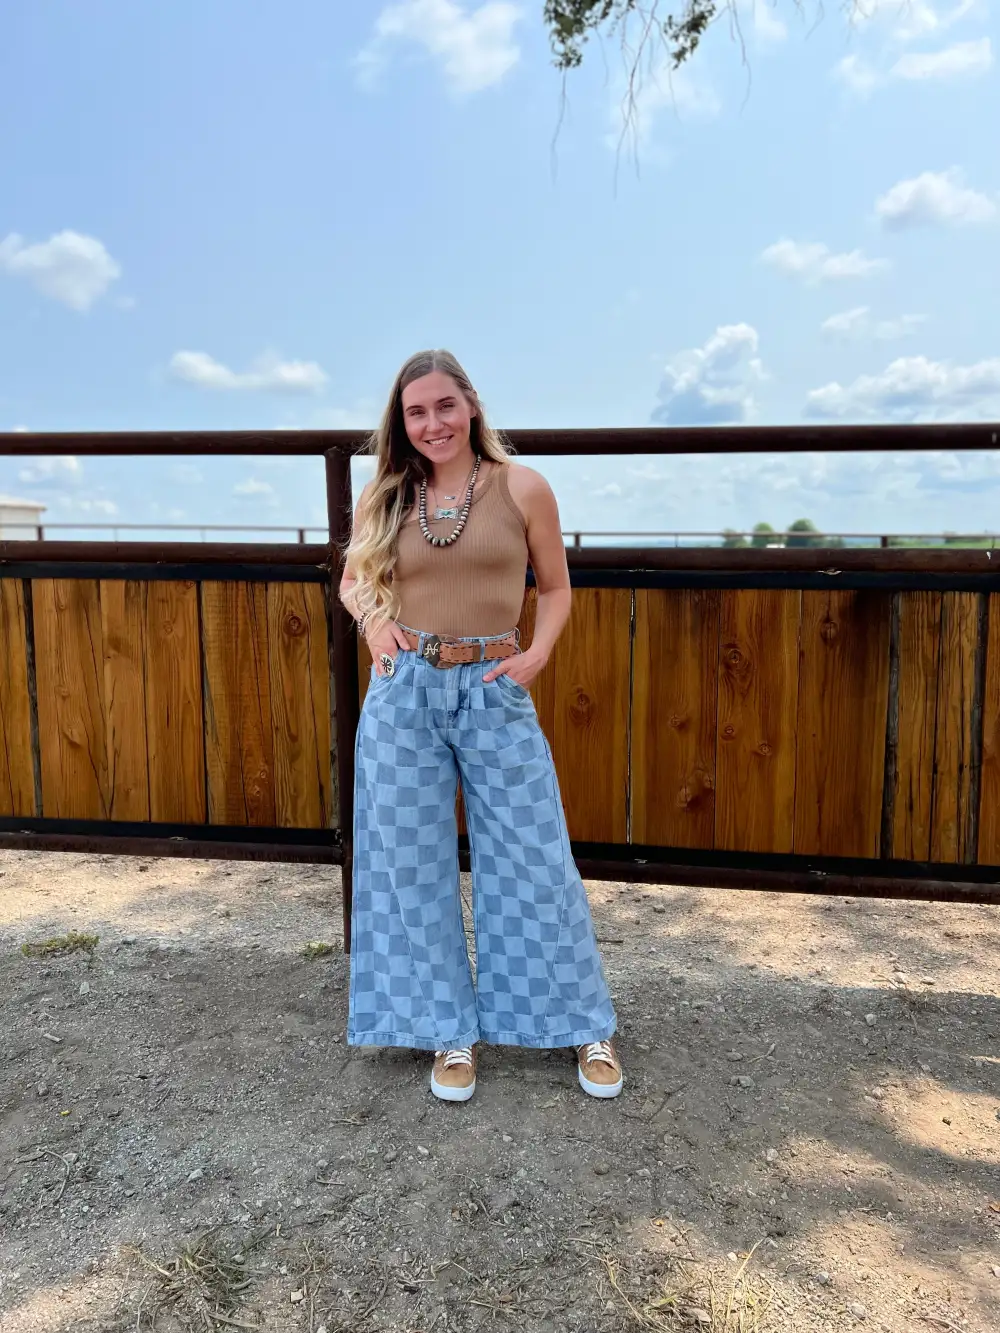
(507,1138)
(601,1169)
(996,1270)
(771,1155)
(900,977)
(871,1020)
(391,1155)
(422,1151)
(946,1119)
(734,1055)
(858,1310)
(926,1069)
(84,987)
(297,1296)
(71,1157)
(659,909)
(128,939)
(42,1089)
(644,1173)
(745,1081)
(196,1174)
(927,981)
(824,1279)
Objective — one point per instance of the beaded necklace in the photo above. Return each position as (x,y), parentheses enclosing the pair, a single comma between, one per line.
(463,515)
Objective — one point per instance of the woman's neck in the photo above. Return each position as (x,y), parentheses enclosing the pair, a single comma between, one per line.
(453,476)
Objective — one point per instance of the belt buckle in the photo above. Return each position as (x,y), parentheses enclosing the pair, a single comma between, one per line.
(431,650)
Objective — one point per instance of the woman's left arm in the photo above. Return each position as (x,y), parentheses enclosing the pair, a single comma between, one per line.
(533,496)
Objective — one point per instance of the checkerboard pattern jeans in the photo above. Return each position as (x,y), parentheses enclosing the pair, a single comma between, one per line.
(539,978)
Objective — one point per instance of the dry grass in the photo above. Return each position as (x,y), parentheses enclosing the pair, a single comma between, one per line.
(74,942)
(318,949)
(200,1287)
(708,1301)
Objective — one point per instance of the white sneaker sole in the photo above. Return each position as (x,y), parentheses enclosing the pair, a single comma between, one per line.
(600,1089)
(447,1094)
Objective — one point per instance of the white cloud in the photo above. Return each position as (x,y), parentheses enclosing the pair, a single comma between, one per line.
(858,324)
(815,262)
(68,267)
(712,384)
(253,486)
(962,60)
(909,20)
(633,113)
(933,197)
(767,26)
(911,388)
(20,430)
(56,471)
(856,76)
(474,47)
(268,373)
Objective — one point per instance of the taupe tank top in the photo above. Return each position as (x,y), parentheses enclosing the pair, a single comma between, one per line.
(476,585)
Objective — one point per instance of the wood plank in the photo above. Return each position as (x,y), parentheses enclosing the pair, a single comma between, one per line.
(123,633)
(239,750)
(843,698)
(758,692)
(674,704)
(989,786)
(300,705)
(590,713)
(70,688)
(951,827)
(919,662)
(17,773)
(174,713)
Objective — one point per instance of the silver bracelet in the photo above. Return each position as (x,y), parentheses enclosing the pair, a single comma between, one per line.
(362,622)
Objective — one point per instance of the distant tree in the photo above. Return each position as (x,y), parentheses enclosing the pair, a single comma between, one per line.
(803,532)
(763,535)
(732,539)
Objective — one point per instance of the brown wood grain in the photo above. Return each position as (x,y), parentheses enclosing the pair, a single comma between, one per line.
(239,750)
(989,786)
(300,704)
(590,713)
(843,699)
(123,630)
(919,665)
(674,702)
(950,823)
(174,713)
(70,688)
(17,774)
(758,695)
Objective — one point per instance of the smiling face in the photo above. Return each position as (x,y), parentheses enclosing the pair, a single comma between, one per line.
(438,417)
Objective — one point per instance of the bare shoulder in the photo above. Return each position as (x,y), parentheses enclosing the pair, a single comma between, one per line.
(526,485)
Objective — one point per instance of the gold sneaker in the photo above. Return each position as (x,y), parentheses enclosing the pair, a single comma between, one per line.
(600,1069)
(453,1077)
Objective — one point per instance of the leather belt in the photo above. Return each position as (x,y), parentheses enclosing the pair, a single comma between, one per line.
(441,651)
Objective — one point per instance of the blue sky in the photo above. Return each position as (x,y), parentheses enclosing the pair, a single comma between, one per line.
(229,215)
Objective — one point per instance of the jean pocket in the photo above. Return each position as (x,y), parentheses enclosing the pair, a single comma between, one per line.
(519,691)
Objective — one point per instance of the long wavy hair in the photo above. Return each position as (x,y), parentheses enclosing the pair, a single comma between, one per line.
(399,470)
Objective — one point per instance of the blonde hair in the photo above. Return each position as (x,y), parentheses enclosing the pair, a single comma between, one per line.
(399,470)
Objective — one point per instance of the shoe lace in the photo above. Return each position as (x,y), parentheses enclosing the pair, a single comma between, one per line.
(599,1050)
(461,1055)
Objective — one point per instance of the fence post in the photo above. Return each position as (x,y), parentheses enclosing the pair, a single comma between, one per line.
(344,667)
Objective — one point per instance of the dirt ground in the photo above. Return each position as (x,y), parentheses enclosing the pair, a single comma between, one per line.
(186,1141)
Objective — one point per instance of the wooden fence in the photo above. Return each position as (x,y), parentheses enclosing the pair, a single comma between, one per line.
(752,718)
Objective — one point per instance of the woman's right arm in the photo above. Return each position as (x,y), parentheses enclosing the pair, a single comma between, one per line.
(387,638)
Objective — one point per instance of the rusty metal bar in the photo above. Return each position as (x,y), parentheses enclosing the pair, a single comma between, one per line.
(551,443)
(168,553)
(344,669)
(207,849)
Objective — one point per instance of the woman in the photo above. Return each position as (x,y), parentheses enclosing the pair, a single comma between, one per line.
(435,576)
